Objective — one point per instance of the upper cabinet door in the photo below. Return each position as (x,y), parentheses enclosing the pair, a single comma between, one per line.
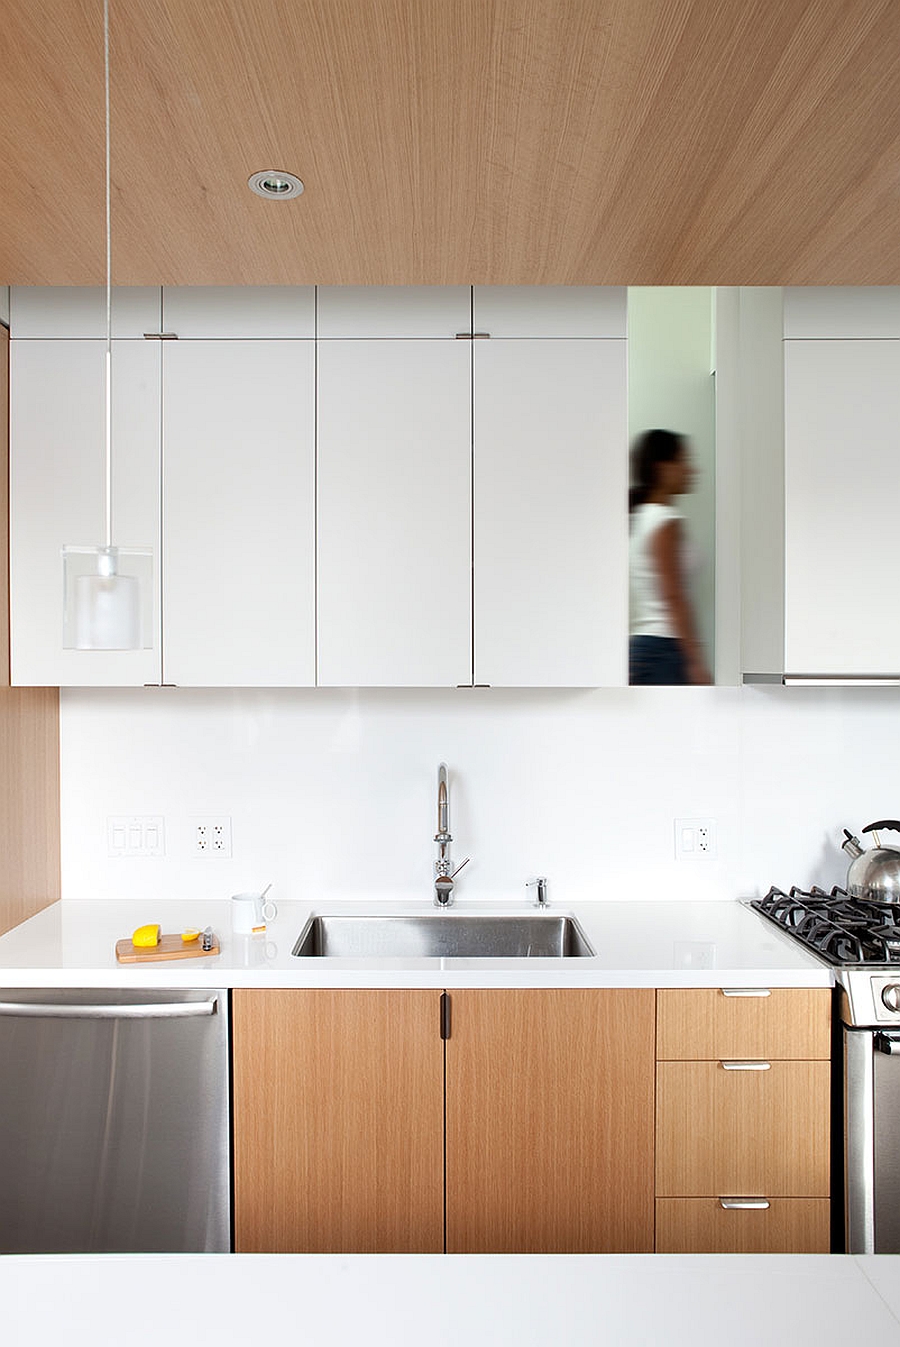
(238,509)
(850,312)
(393,310)
(394,513)
(56,311)
(57,458)
(842,497)
(200,311)
(550,310)
(551,513)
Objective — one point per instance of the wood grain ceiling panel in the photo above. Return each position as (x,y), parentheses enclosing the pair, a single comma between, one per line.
(449,141)
(51,141)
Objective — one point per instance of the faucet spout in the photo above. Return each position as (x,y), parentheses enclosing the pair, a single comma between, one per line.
(443,802)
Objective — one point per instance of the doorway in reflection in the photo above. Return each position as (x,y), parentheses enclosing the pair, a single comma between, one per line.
(671,334)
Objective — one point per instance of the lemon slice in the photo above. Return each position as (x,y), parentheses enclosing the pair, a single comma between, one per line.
(146,937)
(190,933)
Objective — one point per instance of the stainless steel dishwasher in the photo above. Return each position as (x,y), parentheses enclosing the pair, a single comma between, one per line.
(114,1121)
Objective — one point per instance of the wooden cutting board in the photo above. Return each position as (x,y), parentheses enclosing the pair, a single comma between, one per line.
(169,947)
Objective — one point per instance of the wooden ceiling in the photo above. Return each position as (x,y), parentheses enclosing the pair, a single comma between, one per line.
(648,142)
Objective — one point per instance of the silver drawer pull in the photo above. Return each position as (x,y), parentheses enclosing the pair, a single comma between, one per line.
(746,1066)
(745,991)
(168,1010)
(744,1203)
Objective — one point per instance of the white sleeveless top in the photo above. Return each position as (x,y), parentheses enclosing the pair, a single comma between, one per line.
(649,614)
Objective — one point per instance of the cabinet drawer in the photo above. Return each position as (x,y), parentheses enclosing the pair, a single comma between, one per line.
(709,1022)
(703,1225)
(722,1131)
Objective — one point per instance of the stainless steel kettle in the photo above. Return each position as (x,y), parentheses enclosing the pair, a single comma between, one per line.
(874,875)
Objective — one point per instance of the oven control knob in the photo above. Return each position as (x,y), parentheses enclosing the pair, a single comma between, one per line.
(890,995)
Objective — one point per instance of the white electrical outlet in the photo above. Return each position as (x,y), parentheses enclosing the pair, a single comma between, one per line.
(695,839)
(211,835)
(135,835)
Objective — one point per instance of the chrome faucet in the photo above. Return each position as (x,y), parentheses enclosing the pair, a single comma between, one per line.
(444,873)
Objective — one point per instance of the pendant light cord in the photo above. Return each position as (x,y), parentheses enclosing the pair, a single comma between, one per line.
(108,287)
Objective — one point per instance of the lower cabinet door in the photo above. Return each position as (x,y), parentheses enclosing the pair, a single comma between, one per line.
(736,1225)
(550,1121)
(338,1121)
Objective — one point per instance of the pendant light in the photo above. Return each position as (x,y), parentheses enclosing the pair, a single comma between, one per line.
(105,607)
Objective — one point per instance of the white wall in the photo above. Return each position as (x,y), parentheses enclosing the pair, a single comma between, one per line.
(670,386)
(332,794)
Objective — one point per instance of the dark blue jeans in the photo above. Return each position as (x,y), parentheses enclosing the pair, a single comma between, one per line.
(656,660)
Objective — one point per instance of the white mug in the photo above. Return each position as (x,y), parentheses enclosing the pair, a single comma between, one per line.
(250,912)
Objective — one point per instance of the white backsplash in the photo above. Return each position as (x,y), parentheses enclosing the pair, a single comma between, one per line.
(332,794)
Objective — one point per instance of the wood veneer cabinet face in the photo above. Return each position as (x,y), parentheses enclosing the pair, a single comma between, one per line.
(703,1225)
(743,1110)
(338,1121)
(696,1023)
(550,1121)
(722,1132)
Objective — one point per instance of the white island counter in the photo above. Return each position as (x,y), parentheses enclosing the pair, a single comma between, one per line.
(391,1300)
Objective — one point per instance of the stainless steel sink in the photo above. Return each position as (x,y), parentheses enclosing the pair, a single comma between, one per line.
(443,935)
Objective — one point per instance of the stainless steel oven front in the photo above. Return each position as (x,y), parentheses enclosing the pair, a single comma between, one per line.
(870,1011)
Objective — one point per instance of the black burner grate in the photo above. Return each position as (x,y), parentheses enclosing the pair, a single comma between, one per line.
(839,928)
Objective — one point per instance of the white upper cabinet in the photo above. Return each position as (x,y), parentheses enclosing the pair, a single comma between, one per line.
(236,311)
(394,513)
(821,484)
(550,310)
(54,311)
(842,501)
(239,513)
(57,457)
(841,312)
(394,310)
(347,486)
(551,513)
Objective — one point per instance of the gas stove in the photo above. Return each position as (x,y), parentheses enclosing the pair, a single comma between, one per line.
(861,939)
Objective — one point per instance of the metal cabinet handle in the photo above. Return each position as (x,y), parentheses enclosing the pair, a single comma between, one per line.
(168,1010)
(887,1043)
(744,1203)
(746,1066)
(745,991)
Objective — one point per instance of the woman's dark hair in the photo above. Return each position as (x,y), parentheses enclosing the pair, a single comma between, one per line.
(649,450)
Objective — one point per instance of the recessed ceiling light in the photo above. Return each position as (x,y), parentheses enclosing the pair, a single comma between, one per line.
(275,185)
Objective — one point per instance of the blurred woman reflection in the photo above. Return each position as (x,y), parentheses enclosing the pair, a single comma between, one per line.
(663,644)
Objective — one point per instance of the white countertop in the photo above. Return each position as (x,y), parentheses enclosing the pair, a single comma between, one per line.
(638,944)
(478,1300)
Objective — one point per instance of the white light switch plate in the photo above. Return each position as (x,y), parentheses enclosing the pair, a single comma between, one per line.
(135,835)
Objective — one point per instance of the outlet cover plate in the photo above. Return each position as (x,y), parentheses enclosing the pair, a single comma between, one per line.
(211,835)
(695,839)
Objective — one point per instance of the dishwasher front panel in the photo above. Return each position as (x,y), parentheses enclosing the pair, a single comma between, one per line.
(114,1122)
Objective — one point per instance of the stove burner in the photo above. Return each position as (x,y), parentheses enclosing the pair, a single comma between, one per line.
(839,928)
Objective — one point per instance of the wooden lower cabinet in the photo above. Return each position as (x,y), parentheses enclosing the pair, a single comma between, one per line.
(696,1023)
(338,1121)
(743,1118)
(734,1131)
(703,1225)
(343,1129)
(550,1121)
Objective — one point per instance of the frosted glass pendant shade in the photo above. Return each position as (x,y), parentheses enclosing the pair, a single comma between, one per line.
(108,598)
